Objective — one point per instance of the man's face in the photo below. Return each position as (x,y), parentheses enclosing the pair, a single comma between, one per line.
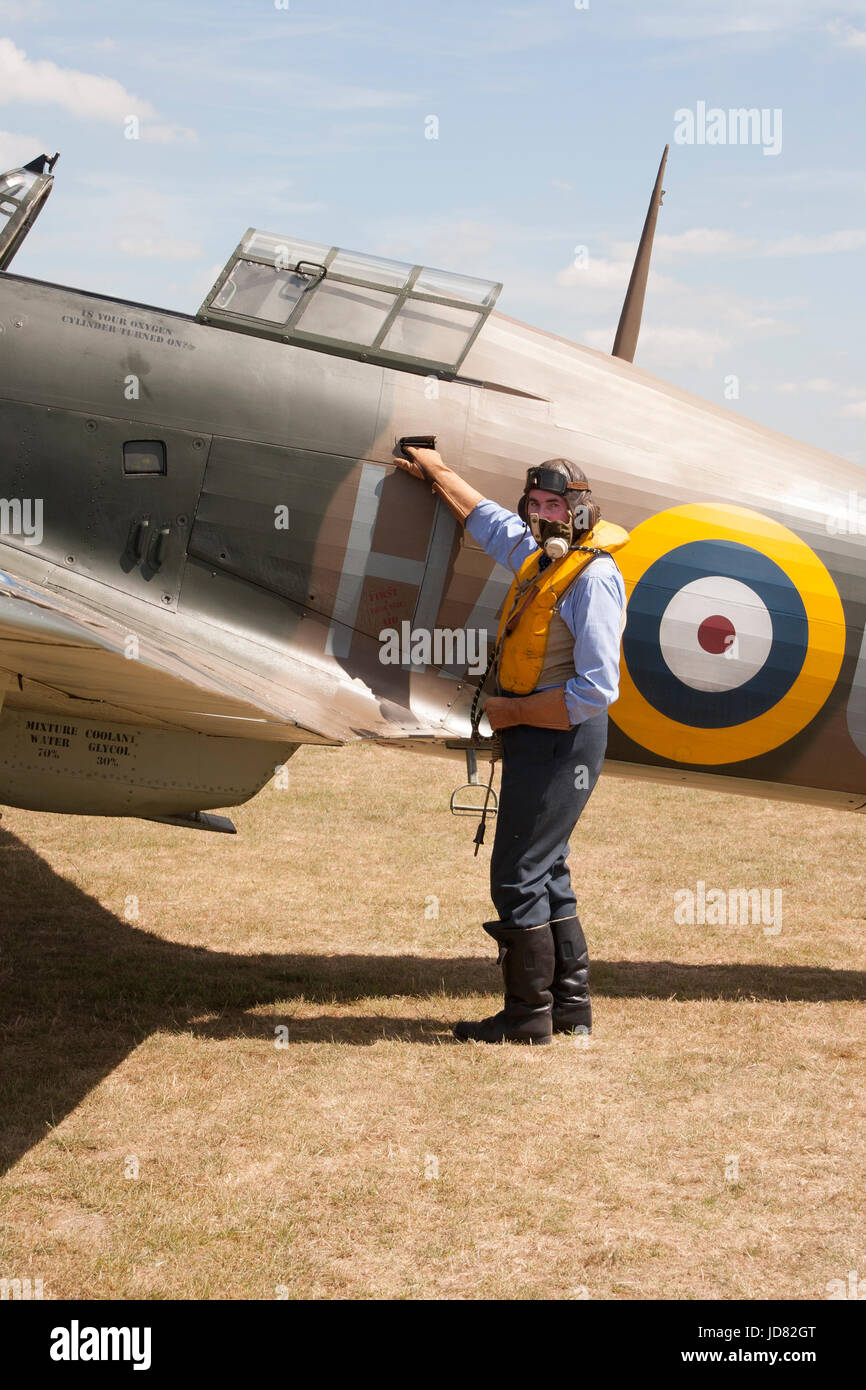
(550,506)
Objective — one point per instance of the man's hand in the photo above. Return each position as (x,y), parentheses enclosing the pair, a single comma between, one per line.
(458,496)
(545,710)
(420,462)
(501,713)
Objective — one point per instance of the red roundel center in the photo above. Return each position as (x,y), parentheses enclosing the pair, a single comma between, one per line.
(715,633)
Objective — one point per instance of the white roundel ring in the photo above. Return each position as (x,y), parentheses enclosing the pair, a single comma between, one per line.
(716,633)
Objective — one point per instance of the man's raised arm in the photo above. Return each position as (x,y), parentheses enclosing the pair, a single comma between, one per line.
(457,494)
(498,531)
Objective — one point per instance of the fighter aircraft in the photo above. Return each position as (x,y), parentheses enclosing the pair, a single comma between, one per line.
(208,557)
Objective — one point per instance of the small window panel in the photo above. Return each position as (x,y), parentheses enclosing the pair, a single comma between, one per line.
(144,456)
(349,303)
(440,331)
(371,270)
(261,292)
(442,285)
(350,312)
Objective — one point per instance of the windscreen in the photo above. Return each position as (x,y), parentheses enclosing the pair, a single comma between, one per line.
(350,303)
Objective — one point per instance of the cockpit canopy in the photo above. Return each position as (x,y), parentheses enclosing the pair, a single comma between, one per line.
(348,303)
(22,195)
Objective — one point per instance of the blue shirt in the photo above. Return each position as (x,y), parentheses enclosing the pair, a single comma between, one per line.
(591,609)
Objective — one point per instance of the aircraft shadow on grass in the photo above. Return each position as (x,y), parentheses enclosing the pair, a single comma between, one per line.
(81,987)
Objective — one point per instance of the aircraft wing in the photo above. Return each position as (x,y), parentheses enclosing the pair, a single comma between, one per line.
(64,657)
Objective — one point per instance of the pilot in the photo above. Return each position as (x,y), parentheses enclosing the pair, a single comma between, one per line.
(557,669)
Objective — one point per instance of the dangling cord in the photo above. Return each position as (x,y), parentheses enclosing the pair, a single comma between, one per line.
(519,541)
(479,834)
(475,718)
(475,714)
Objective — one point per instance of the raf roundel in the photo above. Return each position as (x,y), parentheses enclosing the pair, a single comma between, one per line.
(734,639)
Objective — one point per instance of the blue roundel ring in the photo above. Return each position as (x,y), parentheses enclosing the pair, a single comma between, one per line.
(642,646)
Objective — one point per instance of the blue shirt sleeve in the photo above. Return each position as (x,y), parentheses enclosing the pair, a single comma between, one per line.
(592,610)
(501,533)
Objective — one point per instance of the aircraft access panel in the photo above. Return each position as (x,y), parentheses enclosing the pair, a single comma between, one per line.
(388,312)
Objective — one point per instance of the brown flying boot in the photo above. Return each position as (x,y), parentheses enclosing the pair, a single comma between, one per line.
(527,958)
(572,1011)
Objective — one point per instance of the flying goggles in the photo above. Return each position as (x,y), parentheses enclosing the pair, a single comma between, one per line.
(550,480)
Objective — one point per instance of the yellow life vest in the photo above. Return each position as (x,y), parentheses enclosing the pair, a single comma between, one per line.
(525,623)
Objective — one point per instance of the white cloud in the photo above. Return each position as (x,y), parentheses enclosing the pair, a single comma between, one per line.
(17,10)
(811,179)
(622,251)
(669,345)
(453,245)
(710,241)
(167,134)
(160,248)
(671,19)
(820,386)
(19,149)
(611,273)
(597,273)
(847,34)
(187,295)
(857,409)
(678,345)
(701,322)
(701,241)
(827,244)
(84,94)
(297,209)
(313,92)
(41,83)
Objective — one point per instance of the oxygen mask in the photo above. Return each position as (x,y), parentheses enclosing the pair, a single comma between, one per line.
(554,537)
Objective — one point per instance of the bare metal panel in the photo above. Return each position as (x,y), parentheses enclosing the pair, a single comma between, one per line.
(159,369)
(91,765)
(60,654)
(128,530)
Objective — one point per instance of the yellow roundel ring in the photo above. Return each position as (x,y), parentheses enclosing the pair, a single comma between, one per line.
(735,635)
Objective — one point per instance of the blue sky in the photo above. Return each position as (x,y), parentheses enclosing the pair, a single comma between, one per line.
(312,119)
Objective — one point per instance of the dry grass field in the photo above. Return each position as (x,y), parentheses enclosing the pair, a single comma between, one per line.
(227,1070)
